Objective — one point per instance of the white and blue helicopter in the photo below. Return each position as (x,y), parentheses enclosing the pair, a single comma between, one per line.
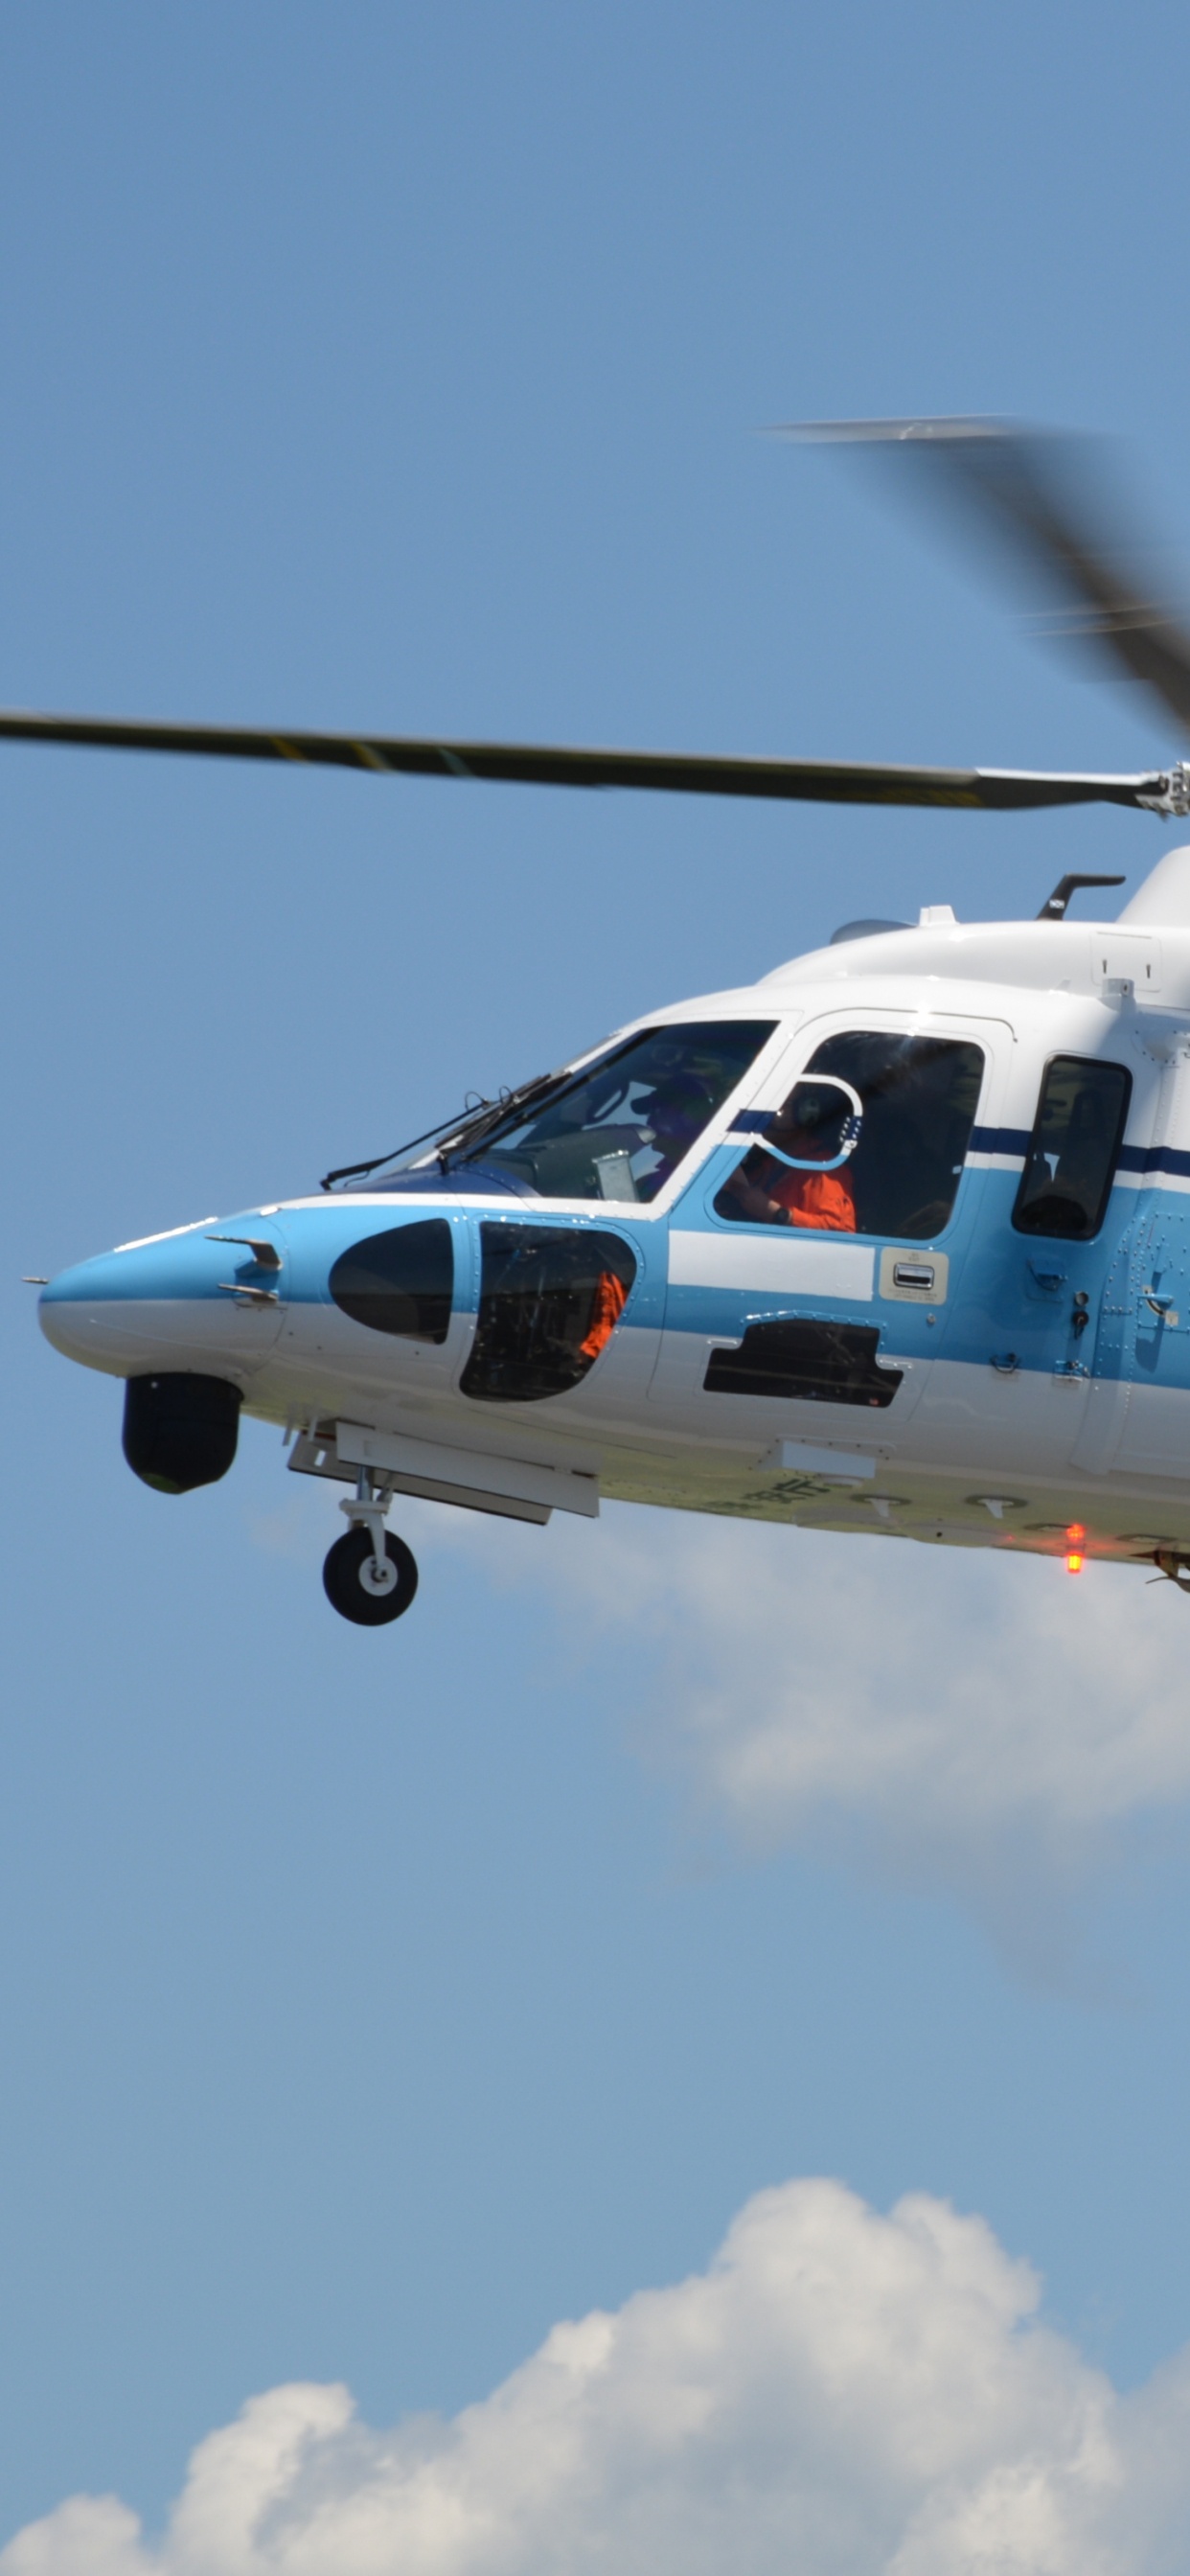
(895,1240)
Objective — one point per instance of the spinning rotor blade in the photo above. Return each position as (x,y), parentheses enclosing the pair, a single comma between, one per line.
(696,774)
(1025,484)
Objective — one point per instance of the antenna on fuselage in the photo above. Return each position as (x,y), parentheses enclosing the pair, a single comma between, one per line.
(1054,907)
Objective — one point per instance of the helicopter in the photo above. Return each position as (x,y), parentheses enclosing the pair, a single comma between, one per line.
(895,1240)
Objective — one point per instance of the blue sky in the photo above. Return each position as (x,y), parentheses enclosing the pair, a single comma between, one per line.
(368,2005)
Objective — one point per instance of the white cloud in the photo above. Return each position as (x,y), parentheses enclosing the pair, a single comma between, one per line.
(817,1669)
(978,1721)
(839,2394)
(944,1699)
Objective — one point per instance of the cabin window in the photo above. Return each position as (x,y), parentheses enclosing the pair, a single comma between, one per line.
(894,1170)
(1073,1150)
(619,1128)
(399,1282)
(816,1363)
(550,1299)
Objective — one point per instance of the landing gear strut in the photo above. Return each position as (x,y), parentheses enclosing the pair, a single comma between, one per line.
(369,1576)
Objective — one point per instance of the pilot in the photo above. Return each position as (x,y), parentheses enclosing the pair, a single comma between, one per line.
(676,1114)
(767,1192)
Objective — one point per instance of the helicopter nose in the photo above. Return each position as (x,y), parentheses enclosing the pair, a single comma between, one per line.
(180,1301)
(111,1312)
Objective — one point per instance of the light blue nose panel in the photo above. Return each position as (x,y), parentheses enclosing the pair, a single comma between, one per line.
(182,1301)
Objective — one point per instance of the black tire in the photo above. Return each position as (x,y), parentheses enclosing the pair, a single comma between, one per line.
(344,1579)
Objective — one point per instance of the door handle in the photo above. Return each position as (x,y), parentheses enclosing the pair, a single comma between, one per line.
(1162,1307)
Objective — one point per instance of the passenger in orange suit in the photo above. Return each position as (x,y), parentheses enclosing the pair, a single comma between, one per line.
(824,1199)
(765,1189)
(611,1297)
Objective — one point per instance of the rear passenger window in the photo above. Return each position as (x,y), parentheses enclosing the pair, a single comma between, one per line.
(1073,1149)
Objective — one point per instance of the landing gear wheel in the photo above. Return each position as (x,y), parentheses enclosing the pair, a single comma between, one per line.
(350,1579)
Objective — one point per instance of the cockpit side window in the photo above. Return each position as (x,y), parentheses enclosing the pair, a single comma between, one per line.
(619,1128)
(1074,1148)
(549,1303)
(399,1282)
(894,1168)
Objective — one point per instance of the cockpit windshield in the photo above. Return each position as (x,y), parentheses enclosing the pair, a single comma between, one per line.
(617,1128)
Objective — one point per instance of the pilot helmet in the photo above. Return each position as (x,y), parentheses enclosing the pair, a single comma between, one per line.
(680,1092)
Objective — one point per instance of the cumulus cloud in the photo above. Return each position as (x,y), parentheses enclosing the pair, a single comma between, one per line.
(958,1708)
(977,1721)
(817,1670)
(840,2394)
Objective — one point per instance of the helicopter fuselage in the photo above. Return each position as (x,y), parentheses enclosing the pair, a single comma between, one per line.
(987,1344)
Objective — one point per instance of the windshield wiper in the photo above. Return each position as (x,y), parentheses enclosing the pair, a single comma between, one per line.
(496,1113)
(357,1171)
(472,1130)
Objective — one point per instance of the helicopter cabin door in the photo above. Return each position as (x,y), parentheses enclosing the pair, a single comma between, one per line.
(814,1262)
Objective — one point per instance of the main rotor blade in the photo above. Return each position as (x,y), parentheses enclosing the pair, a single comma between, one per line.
(682,773)
(1028,485)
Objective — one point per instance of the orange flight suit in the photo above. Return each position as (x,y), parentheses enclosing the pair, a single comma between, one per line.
(822,1199)
(611,1297)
